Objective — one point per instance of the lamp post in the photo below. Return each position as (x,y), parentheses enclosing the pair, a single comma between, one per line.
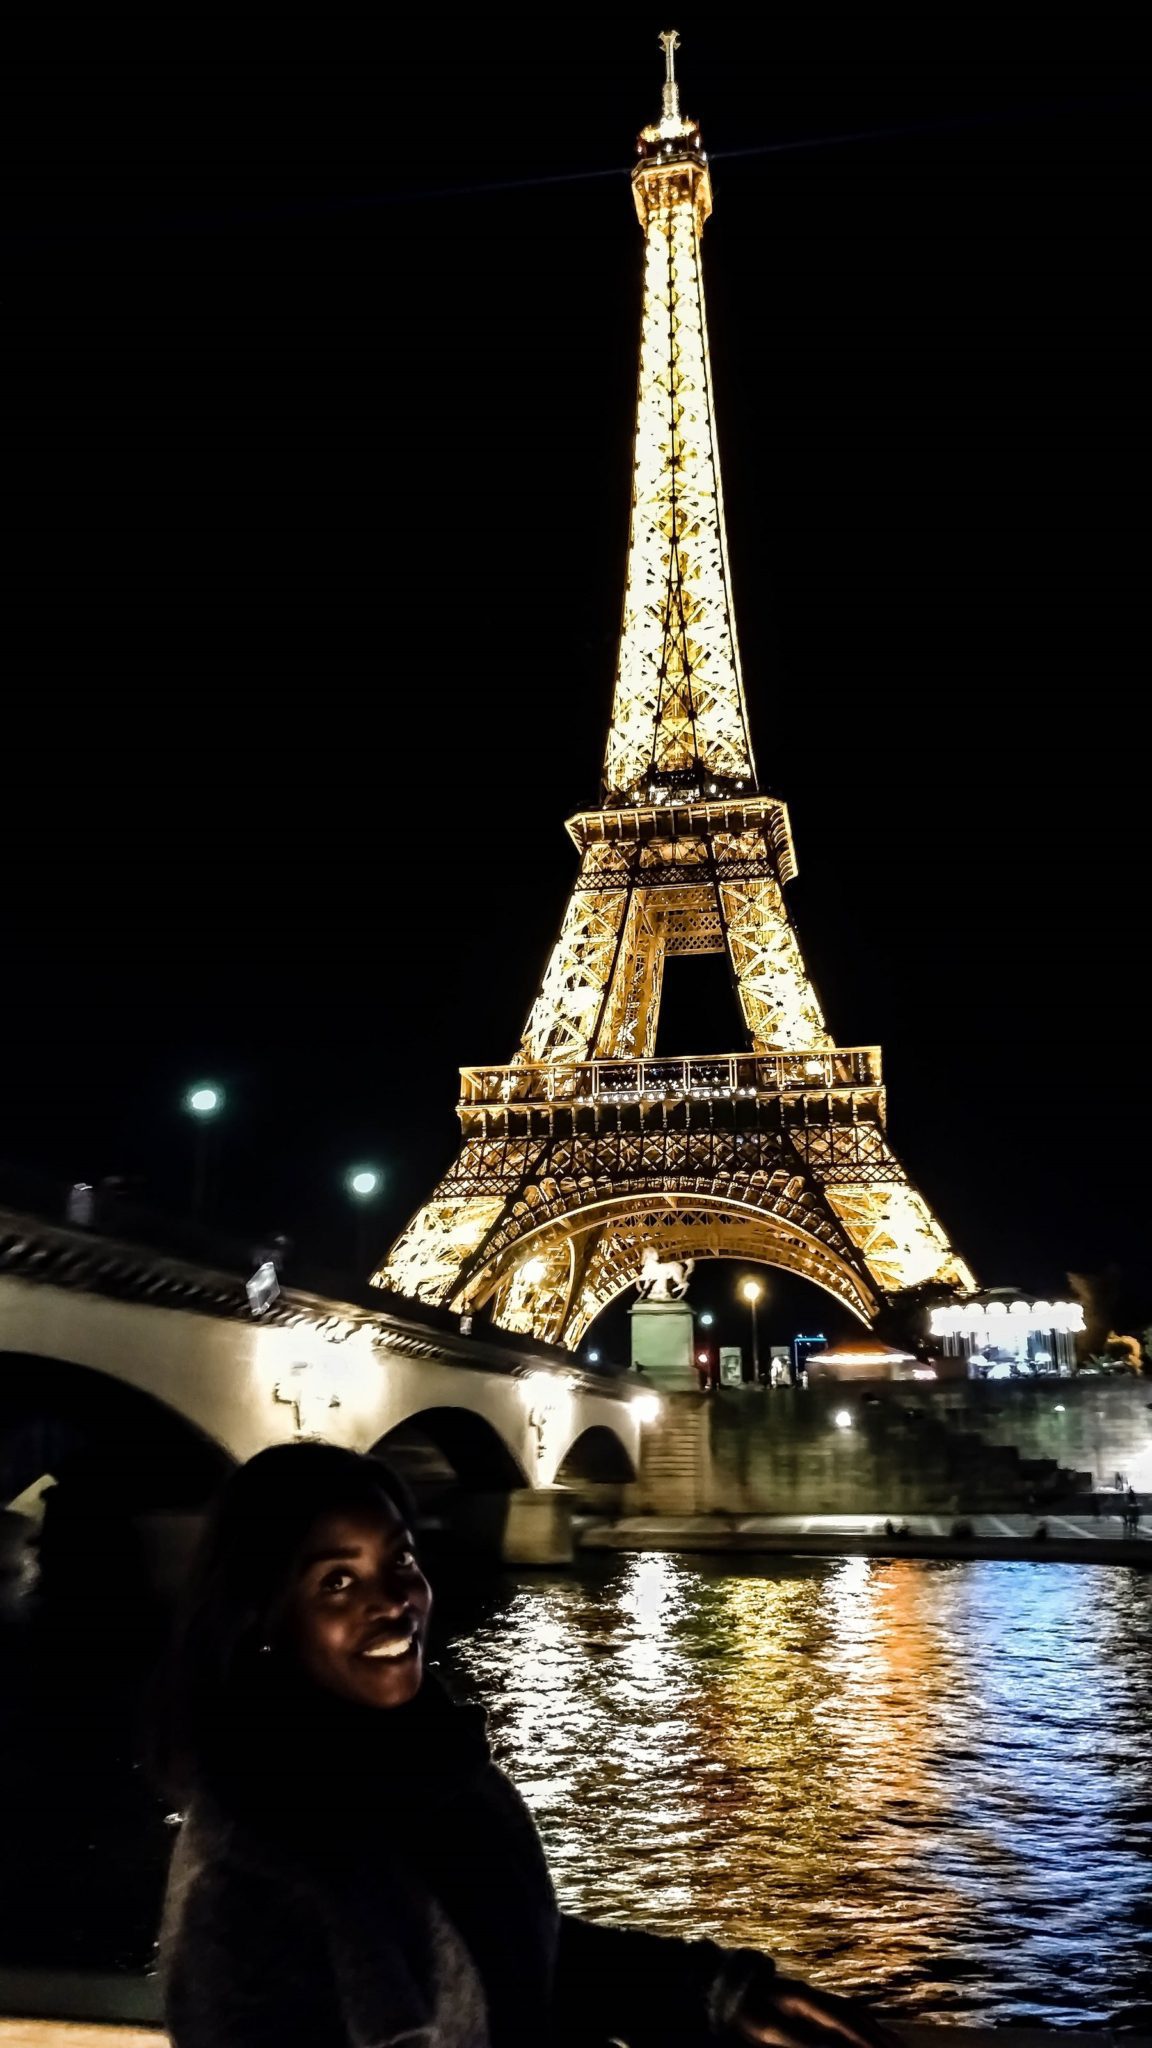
(203,1104)
(363,1184)
(752,1291)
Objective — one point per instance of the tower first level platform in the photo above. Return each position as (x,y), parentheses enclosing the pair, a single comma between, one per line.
(567,1174)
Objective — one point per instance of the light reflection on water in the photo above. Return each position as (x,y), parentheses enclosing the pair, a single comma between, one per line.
(931,1781)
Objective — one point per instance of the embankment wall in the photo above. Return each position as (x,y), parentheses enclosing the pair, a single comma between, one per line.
(957,1447)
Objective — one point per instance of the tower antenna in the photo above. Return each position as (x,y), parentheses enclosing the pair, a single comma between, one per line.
(670,43)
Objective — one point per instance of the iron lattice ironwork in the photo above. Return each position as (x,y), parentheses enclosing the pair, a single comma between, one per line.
(587,1148)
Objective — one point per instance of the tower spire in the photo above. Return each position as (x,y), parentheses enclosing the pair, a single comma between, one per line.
(670,43)
(679,724)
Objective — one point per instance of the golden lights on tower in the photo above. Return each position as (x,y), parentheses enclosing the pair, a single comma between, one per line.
(586,1148)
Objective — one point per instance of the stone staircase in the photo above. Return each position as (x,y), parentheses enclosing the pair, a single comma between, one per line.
(675,1466)
(978,1474)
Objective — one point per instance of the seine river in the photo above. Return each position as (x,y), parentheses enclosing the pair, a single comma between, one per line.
(929,1781)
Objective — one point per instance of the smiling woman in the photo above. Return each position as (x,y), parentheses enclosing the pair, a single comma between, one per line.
(351,1865)
(358,1609)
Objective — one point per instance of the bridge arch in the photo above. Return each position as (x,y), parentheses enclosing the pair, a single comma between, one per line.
(595,1468)
(783,1226)
(440,1450)
(596,1457)
(82,1426)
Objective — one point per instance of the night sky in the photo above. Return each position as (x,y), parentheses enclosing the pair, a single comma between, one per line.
(321,397)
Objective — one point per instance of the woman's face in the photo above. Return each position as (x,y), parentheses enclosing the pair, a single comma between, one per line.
(358,1608)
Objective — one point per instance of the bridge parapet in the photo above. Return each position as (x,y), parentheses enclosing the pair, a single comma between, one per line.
(56,1255)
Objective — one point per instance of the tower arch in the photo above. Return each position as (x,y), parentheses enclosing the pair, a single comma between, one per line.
(610,1237)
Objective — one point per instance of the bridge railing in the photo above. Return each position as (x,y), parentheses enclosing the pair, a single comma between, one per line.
(697,1078)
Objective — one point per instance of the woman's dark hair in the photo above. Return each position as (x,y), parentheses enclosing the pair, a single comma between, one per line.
(238,1587)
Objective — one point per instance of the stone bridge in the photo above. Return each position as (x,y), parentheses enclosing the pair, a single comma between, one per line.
(155,1372)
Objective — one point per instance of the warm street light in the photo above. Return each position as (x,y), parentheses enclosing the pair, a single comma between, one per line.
(203,1101)
(752,1290)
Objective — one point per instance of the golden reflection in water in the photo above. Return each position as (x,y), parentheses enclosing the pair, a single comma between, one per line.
(810,1731)
(930,1781)
(820,1731)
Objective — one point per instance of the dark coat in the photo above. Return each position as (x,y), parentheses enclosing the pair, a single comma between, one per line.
(269,1947)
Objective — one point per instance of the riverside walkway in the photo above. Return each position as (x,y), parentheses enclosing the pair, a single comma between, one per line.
(1057,1537)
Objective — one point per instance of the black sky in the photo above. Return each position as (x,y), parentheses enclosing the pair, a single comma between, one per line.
(321,396)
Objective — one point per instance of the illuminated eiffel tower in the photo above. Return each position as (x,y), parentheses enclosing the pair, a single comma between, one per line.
(587,1149)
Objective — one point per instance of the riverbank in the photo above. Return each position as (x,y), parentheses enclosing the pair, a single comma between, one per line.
(1068,1539)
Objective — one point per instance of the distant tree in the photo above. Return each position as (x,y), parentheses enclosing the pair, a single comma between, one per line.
(1125,1351)
(902,1319)
(1097,1294)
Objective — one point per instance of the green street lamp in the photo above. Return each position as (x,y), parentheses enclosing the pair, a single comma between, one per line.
(203,1102)
(363,1184)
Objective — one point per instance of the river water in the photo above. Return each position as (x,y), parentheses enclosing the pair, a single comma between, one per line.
(930,1781)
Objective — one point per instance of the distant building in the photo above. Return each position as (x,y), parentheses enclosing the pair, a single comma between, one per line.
(869,1358)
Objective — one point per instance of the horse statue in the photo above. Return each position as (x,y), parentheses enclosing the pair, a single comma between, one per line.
(662,1279)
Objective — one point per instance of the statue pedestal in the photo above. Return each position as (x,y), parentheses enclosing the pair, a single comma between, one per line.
(662,1344)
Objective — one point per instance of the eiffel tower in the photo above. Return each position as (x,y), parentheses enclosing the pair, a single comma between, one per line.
(587,1148)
